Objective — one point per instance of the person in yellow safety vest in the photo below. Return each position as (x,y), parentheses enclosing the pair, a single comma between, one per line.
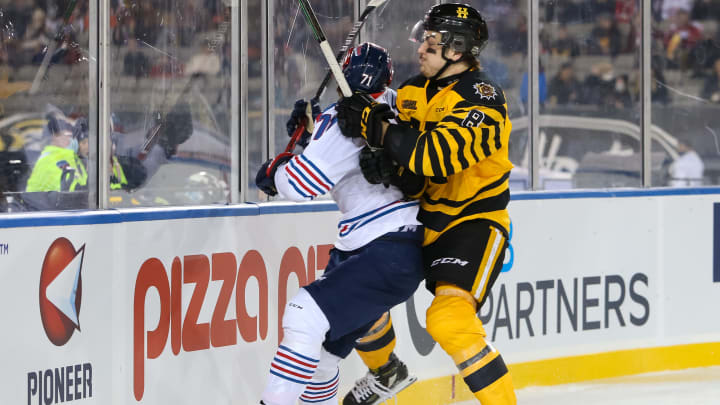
(59,167)
(81,132)
(118,180)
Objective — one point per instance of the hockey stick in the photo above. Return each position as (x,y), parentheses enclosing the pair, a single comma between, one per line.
(325,47)
(52,46)
(372,5)
(349,40)
(153,134)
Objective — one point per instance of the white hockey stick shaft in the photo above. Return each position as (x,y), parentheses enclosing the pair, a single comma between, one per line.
(325,47)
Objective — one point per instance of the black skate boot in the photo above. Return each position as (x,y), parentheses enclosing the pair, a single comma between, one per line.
(381,384)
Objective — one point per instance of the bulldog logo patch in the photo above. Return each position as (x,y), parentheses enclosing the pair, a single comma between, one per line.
(485,91)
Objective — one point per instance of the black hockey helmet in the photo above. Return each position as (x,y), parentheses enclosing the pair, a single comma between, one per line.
(461,27)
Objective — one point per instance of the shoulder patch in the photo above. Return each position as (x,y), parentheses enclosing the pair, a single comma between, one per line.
(485,91)
(477,88)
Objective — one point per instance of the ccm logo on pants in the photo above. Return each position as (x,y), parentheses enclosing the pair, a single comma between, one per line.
(448,260)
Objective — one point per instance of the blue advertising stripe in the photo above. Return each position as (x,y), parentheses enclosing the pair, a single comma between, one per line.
(716,243)
(88,217)
(611,193)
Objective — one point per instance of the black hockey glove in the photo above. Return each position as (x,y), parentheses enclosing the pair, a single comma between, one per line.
(362,116)
(175,128)
(265,178)
(411,184)
(376,167)
(302,115)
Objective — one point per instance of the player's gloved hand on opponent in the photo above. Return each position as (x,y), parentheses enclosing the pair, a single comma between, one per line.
(265,178)
(376,166)
(361,116)
(303,114)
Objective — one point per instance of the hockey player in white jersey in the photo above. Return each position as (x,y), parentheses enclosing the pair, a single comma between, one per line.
(376,262)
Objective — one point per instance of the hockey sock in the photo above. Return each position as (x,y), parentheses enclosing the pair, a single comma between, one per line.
(323,388)
(452,322)
(376,346)
(298,356)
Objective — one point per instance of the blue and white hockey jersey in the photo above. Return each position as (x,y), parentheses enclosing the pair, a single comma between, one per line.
(330,163)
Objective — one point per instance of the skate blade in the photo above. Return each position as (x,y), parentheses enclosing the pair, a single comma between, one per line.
(401,386)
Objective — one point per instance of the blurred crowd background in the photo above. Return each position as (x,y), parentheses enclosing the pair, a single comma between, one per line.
(171,97)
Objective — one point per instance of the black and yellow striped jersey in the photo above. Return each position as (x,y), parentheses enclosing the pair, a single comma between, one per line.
(455,132)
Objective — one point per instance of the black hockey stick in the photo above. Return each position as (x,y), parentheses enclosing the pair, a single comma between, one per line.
(161,118)
(52,46)
(348,41)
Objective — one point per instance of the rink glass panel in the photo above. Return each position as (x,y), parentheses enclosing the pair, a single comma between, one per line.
(170,86)
(590,96)
(257,96)
(34,86)
(297,65)
(685,84)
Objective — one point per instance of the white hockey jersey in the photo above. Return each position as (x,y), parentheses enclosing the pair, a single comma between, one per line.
(330,163)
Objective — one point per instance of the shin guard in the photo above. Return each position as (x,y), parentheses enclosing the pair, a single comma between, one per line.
(376,346)
(453,323)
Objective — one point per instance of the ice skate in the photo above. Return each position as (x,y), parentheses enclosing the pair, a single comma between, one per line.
(380,385)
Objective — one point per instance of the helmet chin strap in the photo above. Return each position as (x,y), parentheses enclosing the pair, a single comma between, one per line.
(447,64)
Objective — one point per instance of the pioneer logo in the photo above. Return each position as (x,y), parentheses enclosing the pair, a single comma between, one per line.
(61,290)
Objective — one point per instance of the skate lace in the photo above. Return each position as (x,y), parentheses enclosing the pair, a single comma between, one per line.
(368,385)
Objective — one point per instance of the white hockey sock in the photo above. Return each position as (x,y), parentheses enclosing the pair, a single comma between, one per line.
(298,355)
(323,388)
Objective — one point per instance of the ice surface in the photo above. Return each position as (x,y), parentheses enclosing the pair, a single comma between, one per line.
(699,386)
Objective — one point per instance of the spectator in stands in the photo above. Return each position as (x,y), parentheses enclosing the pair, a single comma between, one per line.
(564,87)
(605,89)
(658,86)
(687,170)
(599,84)
(668,8)
(512,34)
(147,22)
(542,87)
(620,96)
(605,38)
(706,10)
(123,27)
(703,56)
(564,45)
(711,88)
(36,37)
(625,11)
(682,36)
(205,63)
(135,62)
(601,7)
